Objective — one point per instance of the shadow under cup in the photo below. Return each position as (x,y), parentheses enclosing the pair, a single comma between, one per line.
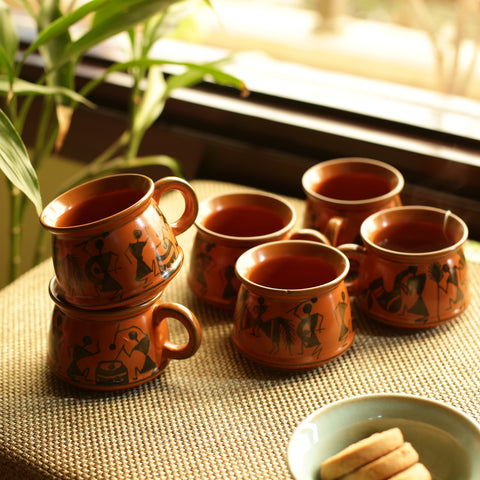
(293,310)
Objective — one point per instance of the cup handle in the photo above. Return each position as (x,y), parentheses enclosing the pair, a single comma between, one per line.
(332,230)
(191,202)
(356,255)
(188,320)
(309,234)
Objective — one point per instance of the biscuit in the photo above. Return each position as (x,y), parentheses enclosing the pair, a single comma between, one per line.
(415,472)
(360,453)
(384,467)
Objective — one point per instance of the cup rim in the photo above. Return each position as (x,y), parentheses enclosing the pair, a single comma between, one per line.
(418,208)
(50,210)
(292,292)
(252,240)
(367,202)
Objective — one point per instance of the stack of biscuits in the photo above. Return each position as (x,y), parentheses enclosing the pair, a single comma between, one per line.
(381,456)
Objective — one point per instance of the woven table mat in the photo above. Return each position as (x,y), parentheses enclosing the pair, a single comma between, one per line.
(215,415)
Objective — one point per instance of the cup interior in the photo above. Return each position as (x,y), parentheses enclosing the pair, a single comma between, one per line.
(96,200)
(352,180)
(245,215)
(291,265)
(414,230)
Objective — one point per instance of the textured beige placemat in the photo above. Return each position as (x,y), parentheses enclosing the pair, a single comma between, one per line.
(215,415)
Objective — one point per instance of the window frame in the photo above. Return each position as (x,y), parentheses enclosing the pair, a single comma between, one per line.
(270,138)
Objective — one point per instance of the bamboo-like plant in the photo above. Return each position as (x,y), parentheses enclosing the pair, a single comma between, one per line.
(143,22)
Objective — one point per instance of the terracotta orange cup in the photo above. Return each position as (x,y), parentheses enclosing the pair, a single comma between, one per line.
(293,310)
(343,192)
(116,348)
(228,225)
(411,271)
(112,245)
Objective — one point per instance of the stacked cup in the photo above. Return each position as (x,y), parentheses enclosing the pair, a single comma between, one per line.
(114,253)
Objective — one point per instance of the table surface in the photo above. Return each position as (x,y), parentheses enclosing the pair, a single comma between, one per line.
(215,415)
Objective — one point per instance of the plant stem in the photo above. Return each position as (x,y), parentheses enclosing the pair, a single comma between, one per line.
(94,167)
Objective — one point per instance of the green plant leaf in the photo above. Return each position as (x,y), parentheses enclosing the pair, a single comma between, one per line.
(194,74)
(8,33)
(5,65)
(113,18)
(152,102)
(51,50)
(62,24)
(23,87)
(15,162)
(141,9)
(152,31)
(8,40)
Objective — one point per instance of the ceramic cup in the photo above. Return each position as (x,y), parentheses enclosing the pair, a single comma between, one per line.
(116,348)
(112,245)
(293,310)
(411,271)
(228,225)
(343,192)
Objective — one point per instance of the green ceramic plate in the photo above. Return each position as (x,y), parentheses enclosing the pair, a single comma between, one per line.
(447,440)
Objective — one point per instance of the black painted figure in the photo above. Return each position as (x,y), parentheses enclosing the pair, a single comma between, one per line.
(79,352)
(98,268)
(310,323)
(340,317)
(136,249)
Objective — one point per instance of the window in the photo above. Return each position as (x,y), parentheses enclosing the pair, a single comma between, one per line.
(327,79)
(422,43)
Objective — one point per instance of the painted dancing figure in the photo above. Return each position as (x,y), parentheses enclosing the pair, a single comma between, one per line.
(307,328)
(453,280)
(136,249)
(229,291)
(203,262)
(79,352)
(97,270)
(340,312)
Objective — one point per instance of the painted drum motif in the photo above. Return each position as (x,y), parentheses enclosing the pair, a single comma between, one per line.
(117,348)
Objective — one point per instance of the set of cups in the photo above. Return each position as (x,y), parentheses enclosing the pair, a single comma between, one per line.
(289,290)
(114,253)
